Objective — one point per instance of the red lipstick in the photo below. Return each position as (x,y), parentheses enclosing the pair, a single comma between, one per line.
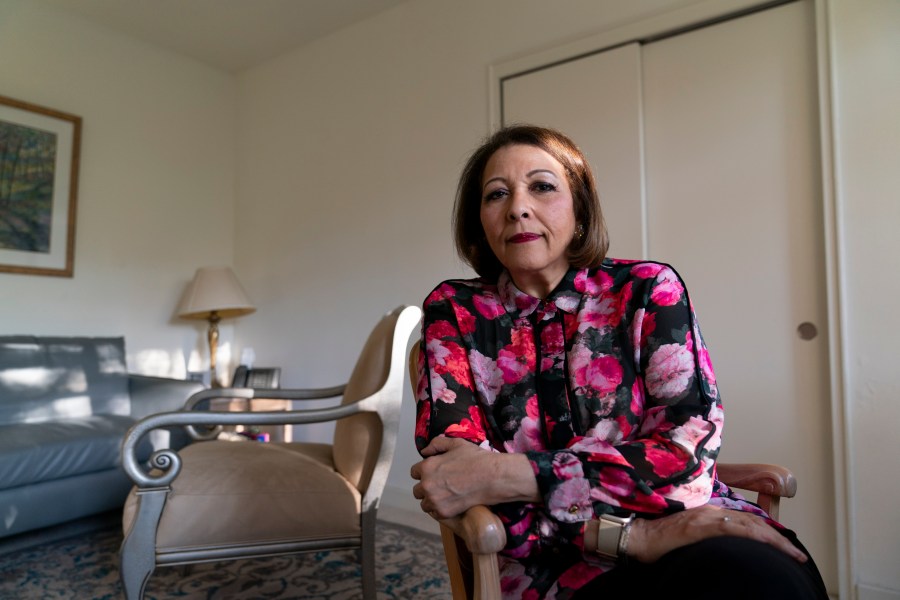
(521,238)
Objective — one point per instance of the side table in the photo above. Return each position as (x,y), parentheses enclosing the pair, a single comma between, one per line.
(277,433)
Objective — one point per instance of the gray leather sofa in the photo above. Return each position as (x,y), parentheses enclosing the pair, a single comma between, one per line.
(65,405)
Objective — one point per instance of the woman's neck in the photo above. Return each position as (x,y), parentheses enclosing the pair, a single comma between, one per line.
(538,284)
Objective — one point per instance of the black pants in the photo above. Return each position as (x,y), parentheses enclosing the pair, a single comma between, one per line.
(720,568)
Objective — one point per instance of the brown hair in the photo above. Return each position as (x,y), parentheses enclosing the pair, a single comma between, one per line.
(587,250)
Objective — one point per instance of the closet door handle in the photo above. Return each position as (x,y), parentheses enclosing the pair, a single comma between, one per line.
(807,331)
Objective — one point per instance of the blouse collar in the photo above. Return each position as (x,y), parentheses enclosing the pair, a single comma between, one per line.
(565,296)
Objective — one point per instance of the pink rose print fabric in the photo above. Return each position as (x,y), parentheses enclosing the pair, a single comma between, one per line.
(606,386)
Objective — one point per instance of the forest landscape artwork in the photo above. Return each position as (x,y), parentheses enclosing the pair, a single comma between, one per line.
(39,153)
(27,163)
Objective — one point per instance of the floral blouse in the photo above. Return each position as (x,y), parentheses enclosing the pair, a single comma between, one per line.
(606,386)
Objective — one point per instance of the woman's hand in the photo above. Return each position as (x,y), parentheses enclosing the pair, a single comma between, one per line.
(456,475)
(651,539)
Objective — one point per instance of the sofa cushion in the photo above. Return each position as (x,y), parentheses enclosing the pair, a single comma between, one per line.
(48,378)
(35,452)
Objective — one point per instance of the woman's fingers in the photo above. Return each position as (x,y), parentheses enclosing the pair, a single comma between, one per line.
(650,540)
(457,474)
(442,444)
(754,527)
(447,477)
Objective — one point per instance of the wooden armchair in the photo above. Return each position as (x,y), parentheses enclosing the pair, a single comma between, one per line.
(472,540)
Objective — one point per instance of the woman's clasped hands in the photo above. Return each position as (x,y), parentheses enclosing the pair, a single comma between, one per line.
(456,475)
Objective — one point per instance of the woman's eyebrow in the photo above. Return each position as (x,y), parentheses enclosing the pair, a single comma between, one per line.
(531,173)
(498,178)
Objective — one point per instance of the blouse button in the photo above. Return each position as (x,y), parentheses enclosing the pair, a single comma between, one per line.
(573,509)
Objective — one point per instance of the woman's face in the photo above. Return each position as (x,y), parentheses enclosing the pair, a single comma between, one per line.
(528,216)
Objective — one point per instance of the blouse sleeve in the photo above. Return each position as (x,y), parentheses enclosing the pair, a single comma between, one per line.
(664,460)
(445,394)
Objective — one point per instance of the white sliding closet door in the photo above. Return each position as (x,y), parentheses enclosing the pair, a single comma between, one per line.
(731,153)
(601,112)
(724,120)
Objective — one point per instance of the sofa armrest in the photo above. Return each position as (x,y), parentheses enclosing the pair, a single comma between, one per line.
(151,395)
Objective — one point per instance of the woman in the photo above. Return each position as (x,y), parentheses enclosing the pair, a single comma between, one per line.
(573,394)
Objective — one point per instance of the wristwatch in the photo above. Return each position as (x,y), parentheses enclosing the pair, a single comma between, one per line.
(612,535)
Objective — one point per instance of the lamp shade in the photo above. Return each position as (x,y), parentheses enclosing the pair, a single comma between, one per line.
(214,289)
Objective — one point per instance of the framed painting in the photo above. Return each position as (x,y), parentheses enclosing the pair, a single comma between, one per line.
(39,153)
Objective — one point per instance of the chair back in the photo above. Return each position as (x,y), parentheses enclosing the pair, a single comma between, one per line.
(364,444)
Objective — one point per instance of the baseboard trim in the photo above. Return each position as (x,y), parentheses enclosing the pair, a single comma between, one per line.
(869,592)
(399,506)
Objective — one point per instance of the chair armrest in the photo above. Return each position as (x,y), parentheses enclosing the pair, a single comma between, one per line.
(263,393)
(151,395)
(772,480)
(471,543)
(169,463)
(318,393)
(480,529)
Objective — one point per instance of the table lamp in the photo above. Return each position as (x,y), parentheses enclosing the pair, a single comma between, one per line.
(213,295)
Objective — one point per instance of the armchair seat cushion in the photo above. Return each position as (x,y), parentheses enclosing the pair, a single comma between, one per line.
(37,452)
(322,453)
(234,493)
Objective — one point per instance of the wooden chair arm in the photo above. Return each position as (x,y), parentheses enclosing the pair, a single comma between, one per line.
(471,543)
(480,529)
(773,480)
(770,482)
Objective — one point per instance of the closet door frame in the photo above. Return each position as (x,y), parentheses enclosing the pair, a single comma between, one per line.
(697,15)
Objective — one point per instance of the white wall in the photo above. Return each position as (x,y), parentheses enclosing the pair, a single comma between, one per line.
(867,51)
(350,149)
(156,192)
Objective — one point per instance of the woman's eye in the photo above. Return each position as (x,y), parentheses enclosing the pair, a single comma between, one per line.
(494,194)
(541,186)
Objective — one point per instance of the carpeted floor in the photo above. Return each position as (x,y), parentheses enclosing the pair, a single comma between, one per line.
(85,567)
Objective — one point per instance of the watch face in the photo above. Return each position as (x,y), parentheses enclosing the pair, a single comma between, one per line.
(608,538)
(610,535)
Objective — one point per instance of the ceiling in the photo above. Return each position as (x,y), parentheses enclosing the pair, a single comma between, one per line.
(228,34)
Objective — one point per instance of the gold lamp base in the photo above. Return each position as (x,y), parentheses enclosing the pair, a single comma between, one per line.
(213,337)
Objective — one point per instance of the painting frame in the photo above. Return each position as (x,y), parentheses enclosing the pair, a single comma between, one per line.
(50,185)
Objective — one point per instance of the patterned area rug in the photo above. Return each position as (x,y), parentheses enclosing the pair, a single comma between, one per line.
(410,565)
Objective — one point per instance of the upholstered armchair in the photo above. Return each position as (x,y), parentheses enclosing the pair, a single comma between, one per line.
(219,500)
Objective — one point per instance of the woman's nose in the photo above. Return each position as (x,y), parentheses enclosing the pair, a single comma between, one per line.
(518,207)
